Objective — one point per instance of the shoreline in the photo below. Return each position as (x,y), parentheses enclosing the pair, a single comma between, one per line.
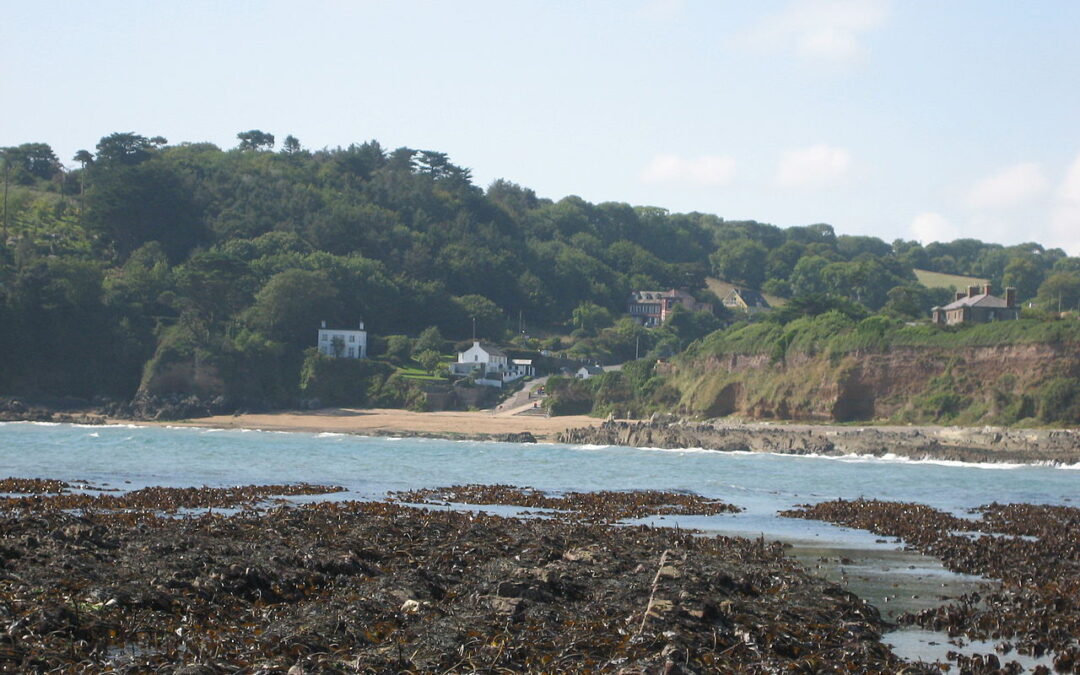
(961,444)
(996,445)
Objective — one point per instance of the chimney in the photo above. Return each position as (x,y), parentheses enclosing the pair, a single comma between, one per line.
(1010,297)
(986,288)
(973,291)
(323,324)
(361,324)
(960,295)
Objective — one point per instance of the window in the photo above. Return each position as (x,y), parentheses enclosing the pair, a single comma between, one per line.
(352,352)
(325,338)
(352,338)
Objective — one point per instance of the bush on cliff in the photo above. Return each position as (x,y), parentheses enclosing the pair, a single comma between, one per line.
(340,382)
(1059,401)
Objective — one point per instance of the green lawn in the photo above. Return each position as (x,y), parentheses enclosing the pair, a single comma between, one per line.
(940,280)
(414,372)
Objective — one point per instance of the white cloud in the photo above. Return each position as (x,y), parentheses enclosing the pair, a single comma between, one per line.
(819,30)
(928,227)
(712,170)
(818,166)
(1065,213)
(1009,187)
(1069,191)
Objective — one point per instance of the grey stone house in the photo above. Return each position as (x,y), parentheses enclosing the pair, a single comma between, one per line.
(978,306)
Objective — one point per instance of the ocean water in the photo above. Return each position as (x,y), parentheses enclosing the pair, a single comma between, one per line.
(129,457)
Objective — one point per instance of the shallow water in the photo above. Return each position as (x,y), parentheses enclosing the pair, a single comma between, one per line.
(131,457)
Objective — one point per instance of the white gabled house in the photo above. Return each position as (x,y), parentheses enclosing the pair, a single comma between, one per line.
(343,343)
(491,365)
(585,372)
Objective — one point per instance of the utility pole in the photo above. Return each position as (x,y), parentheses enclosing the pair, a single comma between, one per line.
(474,329)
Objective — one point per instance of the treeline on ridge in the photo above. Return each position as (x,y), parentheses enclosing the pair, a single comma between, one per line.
(221,263)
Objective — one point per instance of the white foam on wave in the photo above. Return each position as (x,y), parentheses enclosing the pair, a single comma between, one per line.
(890,457)
(328,434)
(46,424)
(679,451)
(94,435)
(887,458)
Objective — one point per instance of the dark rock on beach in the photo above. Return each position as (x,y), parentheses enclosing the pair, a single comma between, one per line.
(984,444)
(70,412)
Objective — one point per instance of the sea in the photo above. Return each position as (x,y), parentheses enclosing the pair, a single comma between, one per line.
(881,570)
(130,457)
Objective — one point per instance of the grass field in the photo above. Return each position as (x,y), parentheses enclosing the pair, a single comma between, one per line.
(939,280)
(722,288)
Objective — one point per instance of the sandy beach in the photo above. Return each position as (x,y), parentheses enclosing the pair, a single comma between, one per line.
(389,422)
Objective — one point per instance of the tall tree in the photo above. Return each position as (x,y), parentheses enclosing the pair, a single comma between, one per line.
(740,262)
(125,148)
(291,145)
(255,140)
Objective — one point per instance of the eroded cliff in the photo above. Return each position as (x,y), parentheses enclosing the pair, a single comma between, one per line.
(977,385)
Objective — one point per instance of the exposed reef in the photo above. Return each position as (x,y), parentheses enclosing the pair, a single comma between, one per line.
(983,444)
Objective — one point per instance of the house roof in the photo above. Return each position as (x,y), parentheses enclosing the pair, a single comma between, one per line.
(648,296)
(984,300)
(751,297)
(491,349)
(592,370)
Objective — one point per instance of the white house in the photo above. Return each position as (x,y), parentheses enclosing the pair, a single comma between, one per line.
(343,343)
(585,372)
(479,354)
(491,364)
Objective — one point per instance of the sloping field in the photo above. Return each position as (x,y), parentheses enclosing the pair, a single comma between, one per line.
(722,288)
(940,280)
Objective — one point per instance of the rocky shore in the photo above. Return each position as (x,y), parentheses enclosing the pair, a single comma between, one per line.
(373,587)
(984,444)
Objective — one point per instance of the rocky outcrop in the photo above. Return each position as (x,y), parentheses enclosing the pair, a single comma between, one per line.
(16,410)
(972,386)
(985,444)
(151,407)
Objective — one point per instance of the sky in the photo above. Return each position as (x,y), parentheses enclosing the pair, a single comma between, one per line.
(919,119)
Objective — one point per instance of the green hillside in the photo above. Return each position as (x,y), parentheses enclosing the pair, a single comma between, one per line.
(191,270)
(942,280)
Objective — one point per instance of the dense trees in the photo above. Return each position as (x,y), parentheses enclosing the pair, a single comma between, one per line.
(235,255)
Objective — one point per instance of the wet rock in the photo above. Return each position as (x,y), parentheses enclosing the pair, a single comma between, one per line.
(522,437)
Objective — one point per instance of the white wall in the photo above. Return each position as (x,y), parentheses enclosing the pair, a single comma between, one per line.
(355,339)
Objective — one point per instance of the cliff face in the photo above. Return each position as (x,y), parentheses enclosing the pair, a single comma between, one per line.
(911,384)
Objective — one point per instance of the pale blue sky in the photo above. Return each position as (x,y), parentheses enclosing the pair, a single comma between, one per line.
(915,119)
